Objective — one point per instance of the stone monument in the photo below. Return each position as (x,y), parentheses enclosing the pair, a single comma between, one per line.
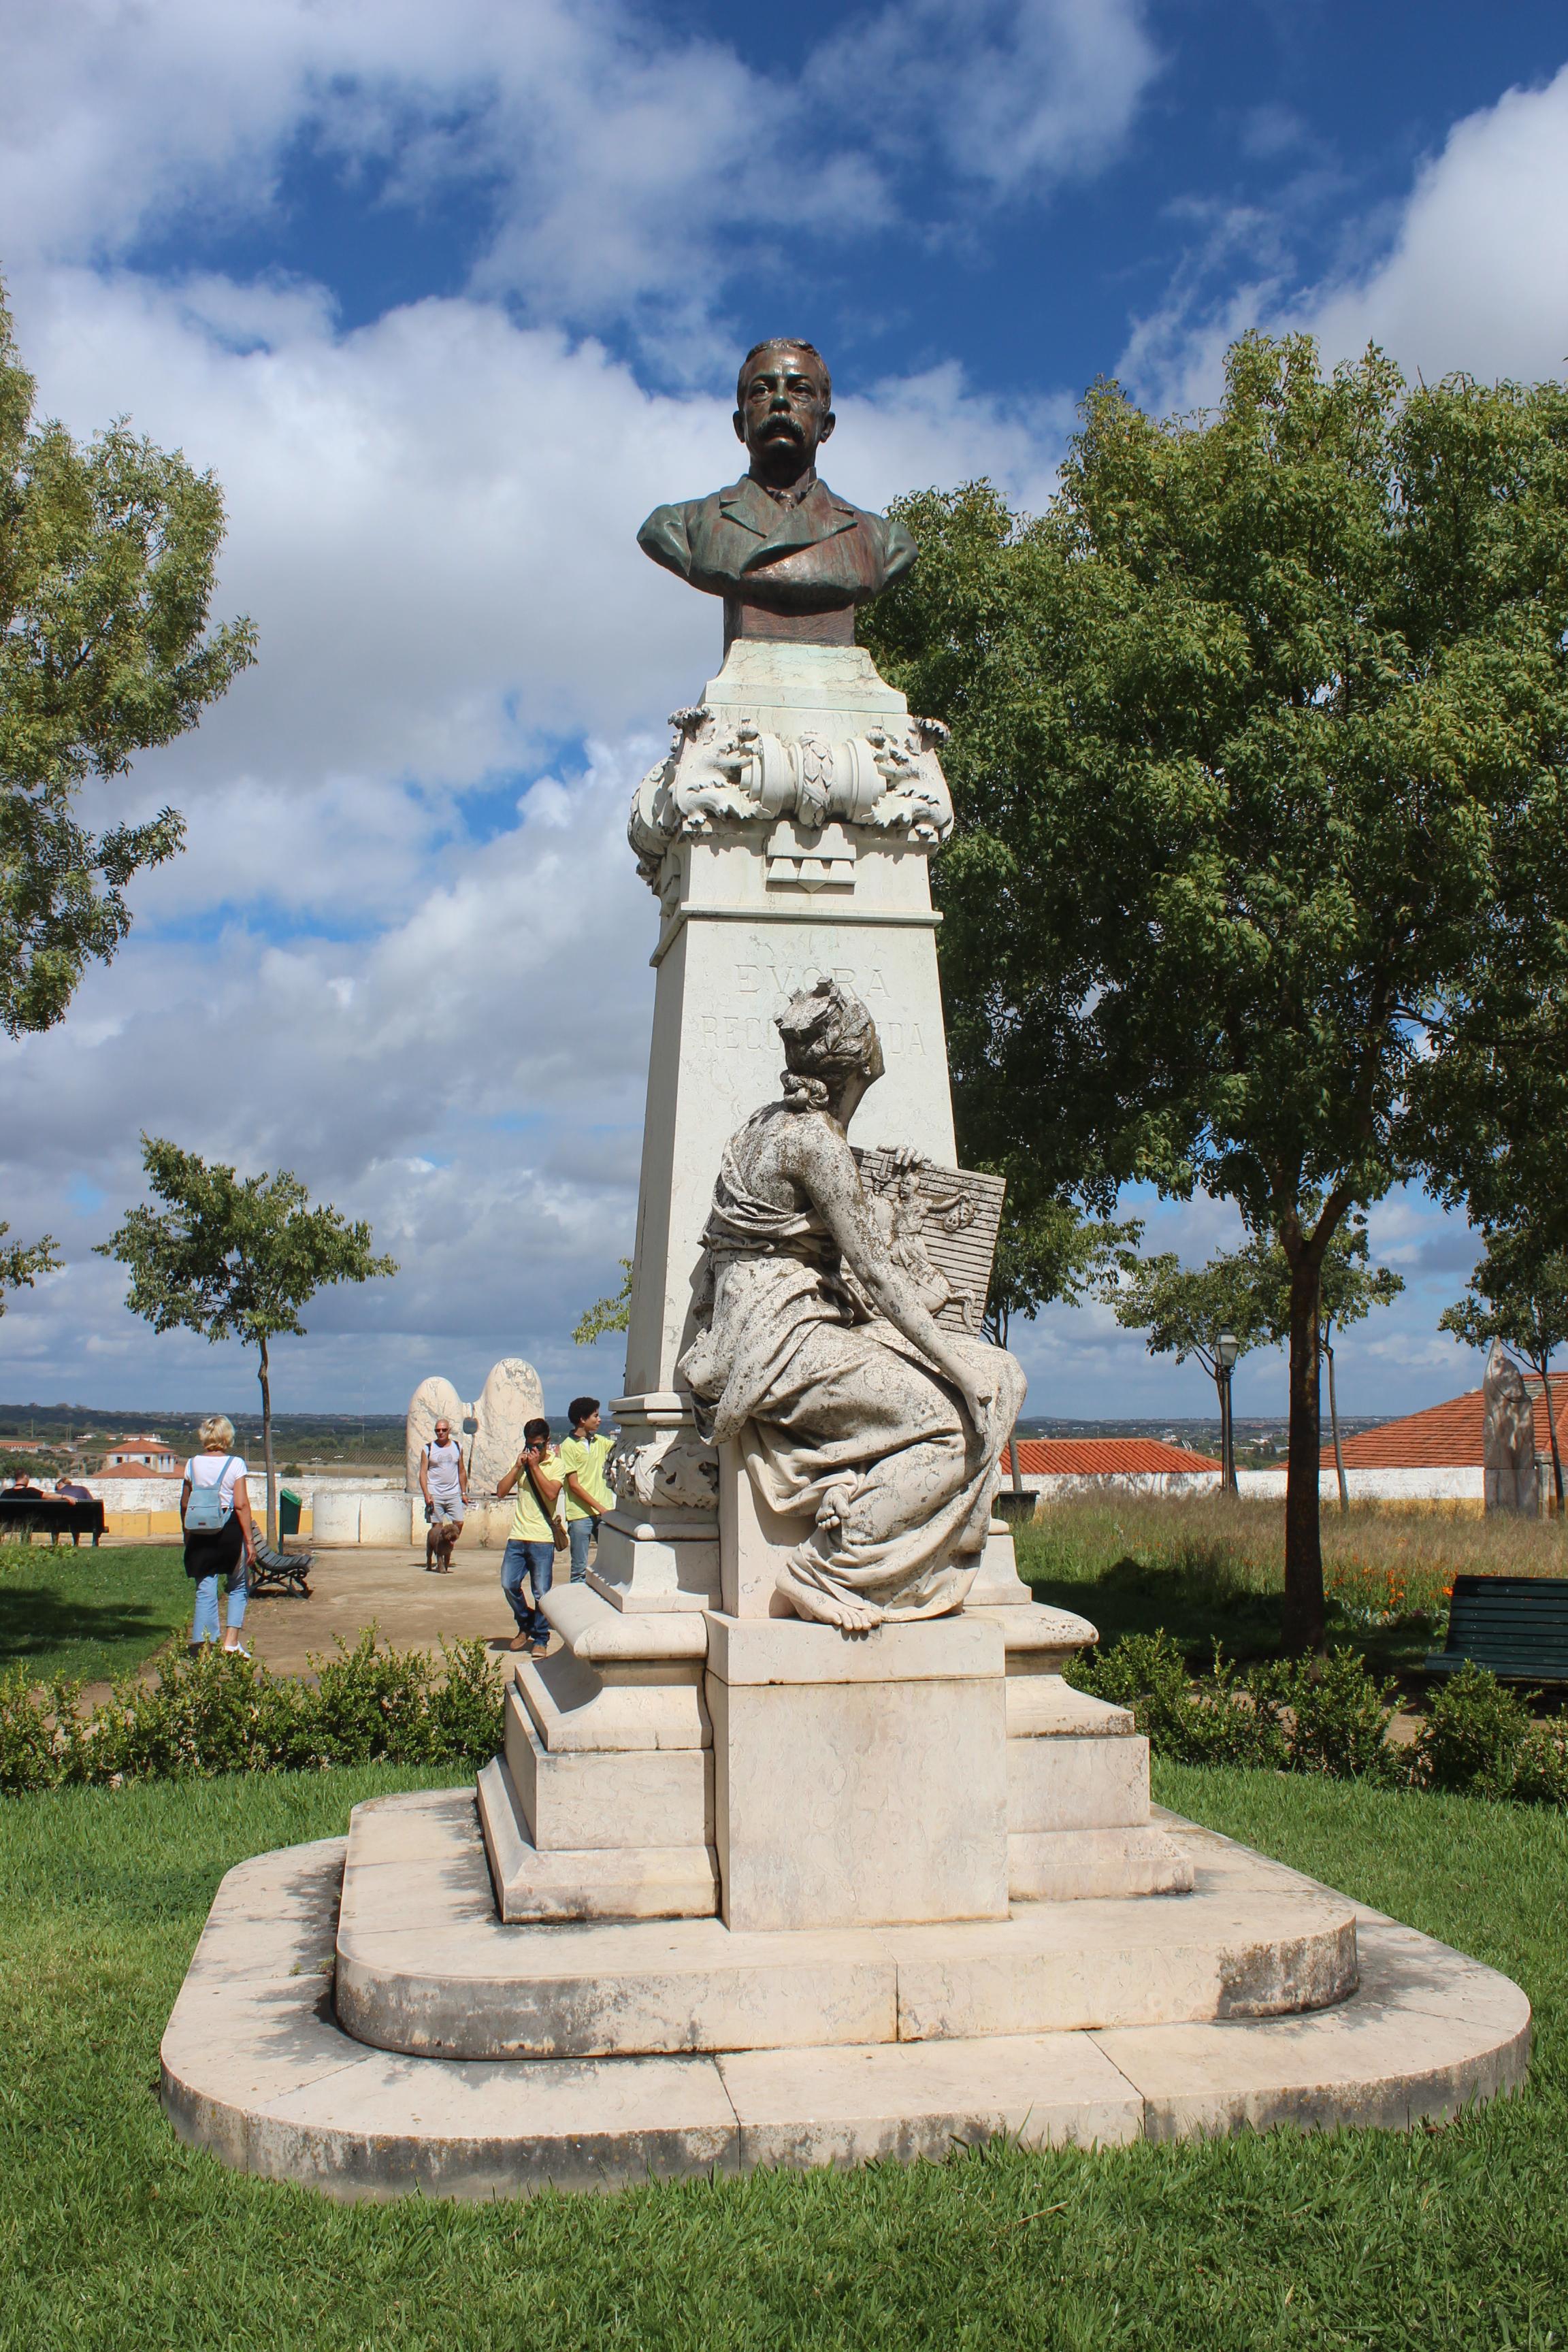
(510,1396)
(800,1849)
(1508,1437)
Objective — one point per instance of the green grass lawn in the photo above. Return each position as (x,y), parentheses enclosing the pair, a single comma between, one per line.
(89,1614)
(111,2235)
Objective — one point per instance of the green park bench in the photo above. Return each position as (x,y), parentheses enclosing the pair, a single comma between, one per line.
(1516,1626)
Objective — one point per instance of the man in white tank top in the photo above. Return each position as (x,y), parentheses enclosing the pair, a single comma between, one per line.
(444,1483)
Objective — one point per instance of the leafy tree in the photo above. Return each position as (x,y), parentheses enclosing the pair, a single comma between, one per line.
(1260,737)
(1518,1294)
(106,573)
(611,1314)
(21,1264)
(1186,1309)
(234,1258)
(1348,1290)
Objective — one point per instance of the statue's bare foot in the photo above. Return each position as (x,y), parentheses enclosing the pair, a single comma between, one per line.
(826,1608)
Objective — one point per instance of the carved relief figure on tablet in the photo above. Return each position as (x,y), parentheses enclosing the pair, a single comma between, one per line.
(819,1355)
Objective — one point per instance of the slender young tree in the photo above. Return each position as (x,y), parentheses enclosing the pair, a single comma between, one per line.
(234,1257)
(1518,1294)
(1260,734)
(1246,1292)
(1186,1310)
(1348,1290)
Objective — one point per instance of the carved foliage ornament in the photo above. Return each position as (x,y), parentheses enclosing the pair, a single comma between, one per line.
(674,1471)
(888,779)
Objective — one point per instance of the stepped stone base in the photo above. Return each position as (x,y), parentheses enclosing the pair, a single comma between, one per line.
(666,1882)
(426,1968)
(258,2067)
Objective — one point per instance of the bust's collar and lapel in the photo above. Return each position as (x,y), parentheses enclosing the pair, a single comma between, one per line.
(820,515)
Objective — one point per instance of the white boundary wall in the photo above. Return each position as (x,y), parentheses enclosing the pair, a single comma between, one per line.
(164,1493)
(1424,1486)
(378,1511)
(1052,1486)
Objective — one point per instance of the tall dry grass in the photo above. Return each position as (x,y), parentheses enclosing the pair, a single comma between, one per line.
(1381,1563)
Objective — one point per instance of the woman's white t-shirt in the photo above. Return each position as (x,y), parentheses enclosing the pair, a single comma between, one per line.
(219,1470)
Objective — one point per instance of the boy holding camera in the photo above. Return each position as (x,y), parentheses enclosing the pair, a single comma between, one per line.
(530,1546)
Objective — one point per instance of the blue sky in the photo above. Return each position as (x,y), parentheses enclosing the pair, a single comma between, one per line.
(448,297)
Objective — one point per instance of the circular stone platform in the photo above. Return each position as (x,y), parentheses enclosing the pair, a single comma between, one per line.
(258,2067)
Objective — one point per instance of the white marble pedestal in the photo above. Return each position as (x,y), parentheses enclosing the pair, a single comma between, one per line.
(859,1779)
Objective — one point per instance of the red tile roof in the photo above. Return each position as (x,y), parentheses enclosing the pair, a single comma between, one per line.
(1446,1436)
(1102,1457)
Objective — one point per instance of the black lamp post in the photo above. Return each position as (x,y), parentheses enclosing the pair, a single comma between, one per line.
(1226,1350)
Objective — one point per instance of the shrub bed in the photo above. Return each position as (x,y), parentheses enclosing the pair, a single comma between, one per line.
(214,1713)
(1330,1716)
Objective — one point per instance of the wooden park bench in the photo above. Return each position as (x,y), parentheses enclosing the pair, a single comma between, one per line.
(56,1515)
(1516,1626)
(281,1571)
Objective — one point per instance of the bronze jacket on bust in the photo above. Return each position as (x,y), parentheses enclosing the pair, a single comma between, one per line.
(817,556)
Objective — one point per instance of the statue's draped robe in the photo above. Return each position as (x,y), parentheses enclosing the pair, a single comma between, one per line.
(842,1422)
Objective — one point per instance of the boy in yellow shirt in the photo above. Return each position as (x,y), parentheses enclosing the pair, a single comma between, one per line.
(587,1495)
(530,1546)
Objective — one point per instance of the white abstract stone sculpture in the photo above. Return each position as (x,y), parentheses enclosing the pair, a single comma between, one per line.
(510,1397)
(434,1399)
(1508,1437)
(819,1353)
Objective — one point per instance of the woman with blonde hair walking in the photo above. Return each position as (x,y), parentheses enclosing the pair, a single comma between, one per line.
(220,1537)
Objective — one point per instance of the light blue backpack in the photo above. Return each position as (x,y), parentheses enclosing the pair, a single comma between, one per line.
(204,1511)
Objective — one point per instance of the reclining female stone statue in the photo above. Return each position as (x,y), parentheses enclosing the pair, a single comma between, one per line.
(819,1353)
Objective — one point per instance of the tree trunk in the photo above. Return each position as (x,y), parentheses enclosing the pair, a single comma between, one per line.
(1542,1364)
(1303,1623)
(1334,1424)
(263,1375)
(1000,1320)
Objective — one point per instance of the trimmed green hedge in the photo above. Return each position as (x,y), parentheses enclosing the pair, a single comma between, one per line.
(218,1712)
(1330,1716)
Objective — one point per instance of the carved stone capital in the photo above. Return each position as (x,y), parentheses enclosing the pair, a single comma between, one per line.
(670,1470)
(723,774)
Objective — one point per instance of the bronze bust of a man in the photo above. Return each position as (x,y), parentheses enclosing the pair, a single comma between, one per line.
(789,557)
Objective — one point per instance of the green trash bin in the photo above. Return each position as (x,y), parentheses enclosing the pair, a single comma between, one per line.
(290,1505)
